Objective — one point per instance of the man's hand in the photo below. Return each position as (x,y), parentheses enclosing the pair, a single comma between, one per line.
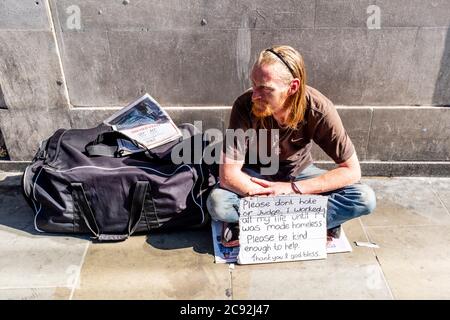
(270,188)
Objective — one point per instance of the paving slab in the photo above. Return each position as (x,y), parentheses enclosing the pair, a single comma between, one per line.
(355,275)
(10,179)
(441,186)
(415,260)
(35,294)
(405,202)
(29,259)
(36,79)
(161,266)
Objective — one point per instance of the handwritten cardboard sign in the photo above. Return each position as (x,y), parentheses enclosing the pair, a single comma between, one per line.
(282,228)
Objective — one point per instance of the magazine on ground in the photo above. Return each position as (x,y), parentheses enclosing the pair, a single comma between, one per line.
(224,254)
(145,122)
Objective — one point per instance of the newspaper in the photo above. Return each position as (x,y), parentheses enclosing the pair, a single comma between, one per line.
(145,122)
(338,245)
(229,255)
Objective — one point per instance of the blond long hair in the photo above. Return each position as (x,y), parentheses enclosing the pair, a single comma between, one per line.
(294,67)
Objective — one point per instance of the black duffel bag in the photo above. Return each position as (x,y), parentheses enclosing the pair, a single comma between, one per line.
(111,197)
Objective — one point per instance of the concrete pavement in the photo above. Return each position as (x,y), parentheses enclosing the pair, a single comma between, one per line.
(411,225)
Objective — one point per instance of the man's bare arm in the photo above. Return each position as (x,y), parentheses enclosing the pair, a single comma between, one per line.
(348,172)
(234,179)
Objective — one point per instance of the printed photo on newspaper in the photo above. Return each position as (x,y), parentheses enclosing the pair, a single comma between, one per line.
(145,122)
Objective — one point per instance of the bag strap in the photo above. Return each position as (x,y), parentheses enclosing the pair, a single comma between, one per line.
(80,200)
(137,206)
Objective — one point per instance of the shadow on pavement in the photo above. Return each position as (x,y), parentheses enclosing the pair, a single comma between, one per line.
(16,213)
(199,239)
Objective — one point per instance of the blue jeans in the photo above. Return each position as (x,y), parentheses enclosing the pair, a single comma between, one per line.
(343,204)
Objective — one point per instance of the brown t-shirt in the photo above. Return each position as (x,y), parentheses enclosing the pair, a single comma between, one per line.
(321,124)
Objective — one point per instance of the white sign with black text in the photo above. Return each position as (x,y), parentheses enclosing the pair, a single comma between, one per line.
(282,228)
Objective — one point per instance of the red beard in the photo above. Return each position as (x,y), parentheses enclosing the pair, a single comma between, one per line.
(260,110)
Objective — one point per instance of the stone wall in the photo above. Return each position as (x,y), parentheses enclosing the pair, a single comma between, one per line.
(71,63)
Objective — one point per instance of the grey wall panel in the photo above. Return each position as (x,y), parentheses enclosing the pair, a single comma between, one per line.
(120,53)
(429,76)
(24,15)
(393,13)
(207,118)
(82,118)
(30,73)
(410,134)
(176,67)
(441,95)
(362,67)
(90,75)
(350,66)
(23,130)
(179,14)
(406,13)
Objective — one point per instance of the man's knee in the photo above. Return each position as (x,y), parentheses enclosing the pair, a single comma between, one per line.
(368,200)
(223,205)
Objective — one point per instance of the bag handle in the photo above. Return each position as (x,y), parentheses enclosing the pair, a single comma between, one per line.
(137,205)
(111,144)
